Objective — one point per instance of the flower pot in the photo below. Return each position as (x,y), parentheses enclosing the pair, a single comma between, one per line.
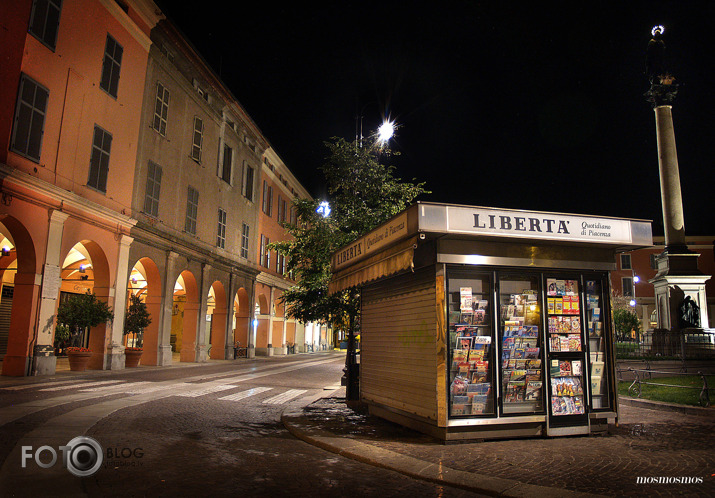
(132,358)
(78,360)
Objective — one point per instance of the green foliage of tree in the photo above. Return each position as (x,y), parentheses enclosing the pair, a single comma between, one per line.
(82,311)
(136,319)
(363,194)
(625,322)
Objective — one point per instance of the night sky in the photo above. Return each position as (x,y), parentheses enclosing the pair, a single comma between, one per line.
(535,106)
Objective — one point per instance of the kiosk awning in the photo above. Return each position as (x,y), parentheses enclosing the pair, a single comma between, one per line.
(393,260)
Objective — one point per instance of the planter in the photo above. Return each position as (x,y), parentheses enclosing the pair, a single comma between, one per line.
(132,358)
(78,360)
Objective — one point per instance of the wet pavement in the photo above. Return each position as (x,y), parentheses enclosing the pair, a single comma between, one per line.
(647,445)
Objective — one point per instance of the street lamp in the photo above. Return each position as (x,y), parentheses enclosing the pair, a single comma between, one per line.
(323,209)
(385,131)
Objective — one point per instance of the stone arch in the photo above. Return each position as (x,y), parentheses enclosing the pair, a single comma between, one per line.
(85,269)
(242,317)
(145,283)
(263,324)
(217,332)
(186,315)
(20,297)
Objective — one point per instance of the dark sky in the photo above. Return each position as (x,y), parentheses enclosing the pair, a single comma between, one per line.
(527,105)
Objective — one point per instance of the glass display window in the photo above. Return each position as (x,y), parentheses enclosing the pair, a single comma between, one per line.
(565,347)
(470,345)
(597,348)
(521,351)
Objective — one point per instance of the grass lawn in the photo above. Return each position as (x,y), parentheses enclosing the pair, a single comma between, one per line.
(677,395)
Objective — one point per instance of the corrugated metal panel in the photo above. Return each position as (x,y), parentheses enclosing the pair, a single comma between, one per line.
(399,343)
(5,313)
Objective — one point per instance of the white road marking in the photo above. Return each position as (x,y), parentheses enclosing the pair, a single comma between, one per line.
(246,394)
(38,384)
(119,388)
(81,386)
(207,390)
(284,397)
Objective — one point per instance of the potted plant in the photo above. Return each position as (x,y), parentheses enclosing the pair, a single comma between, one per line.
(80,312)
(136,319)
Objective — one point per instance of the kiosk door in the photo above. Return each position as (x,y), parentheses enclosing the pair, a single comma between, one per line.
(565,361)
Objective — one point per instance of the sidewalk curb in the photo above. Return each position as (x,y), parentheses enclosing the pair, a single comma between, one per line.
(295,423)
(668,407)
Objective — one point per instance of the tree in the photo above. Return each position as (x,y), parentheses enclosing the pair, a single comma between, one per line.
(625,319)
(363,193)
(82,311)
(136,319)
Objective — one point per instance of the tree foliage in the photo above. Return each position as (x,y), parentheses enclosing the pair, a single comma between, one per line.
(363,193)
(136,319)
(82,311)
(626,322)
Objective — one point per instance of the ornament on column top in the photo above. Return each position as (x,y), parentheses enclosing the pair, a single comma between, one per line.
(663,88)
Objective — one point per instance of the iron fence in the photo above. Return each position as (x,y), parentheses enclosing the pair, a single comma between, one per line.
(686,344)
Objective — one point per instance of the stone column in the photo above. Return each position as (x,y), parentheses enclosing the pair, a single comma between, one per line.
(164,353)
(45,361)
(671,197)
(204,285)
(251,353)
(271,315)
(678,275)
(115,351)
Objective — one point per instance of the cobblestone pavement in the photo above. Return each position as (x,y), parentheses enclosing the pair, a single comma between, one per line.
(207,430)
(646,444)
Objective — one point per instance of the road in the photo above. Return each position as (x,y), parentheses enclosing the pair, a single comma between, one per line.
(196,430)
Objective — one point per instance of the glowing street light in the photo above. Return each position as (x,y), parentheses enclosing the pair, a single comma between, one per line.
(323,209)
(386,131)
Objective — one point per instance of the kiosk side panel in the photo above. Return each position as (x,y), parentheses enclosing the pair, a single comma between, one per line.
(398,344)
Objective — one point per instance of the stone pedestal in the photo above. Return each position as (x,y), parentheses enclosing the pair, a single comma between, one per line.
(678,276)
(251,353)
(44,361)
(115,357)
(164,356)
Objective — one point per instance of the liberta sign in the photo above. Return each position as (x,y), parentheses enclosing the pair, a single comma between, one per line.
(537,225)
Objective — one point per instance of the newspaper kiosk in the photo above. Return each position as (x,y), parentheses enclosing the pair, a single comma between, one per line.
(482,323)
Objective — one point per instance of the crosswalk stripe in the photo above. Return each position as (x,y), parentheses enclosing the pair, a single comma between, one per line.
(246,394)
(154,388)
(38,384)
(82,386)
(207,390)
(118,388)
(284,397)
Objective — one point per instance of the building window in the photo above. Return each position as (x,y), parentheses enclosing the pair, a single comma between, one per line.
(45,21)
(221,232)
(248,183)
(161,109)
(282,208)
(29,122)
(627,283)
(153,186)
(110,66)
(99,162)
(192,210)
(267,198)
(226,164)
(625,261)
(244,241)
(265,253)
(198,139)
